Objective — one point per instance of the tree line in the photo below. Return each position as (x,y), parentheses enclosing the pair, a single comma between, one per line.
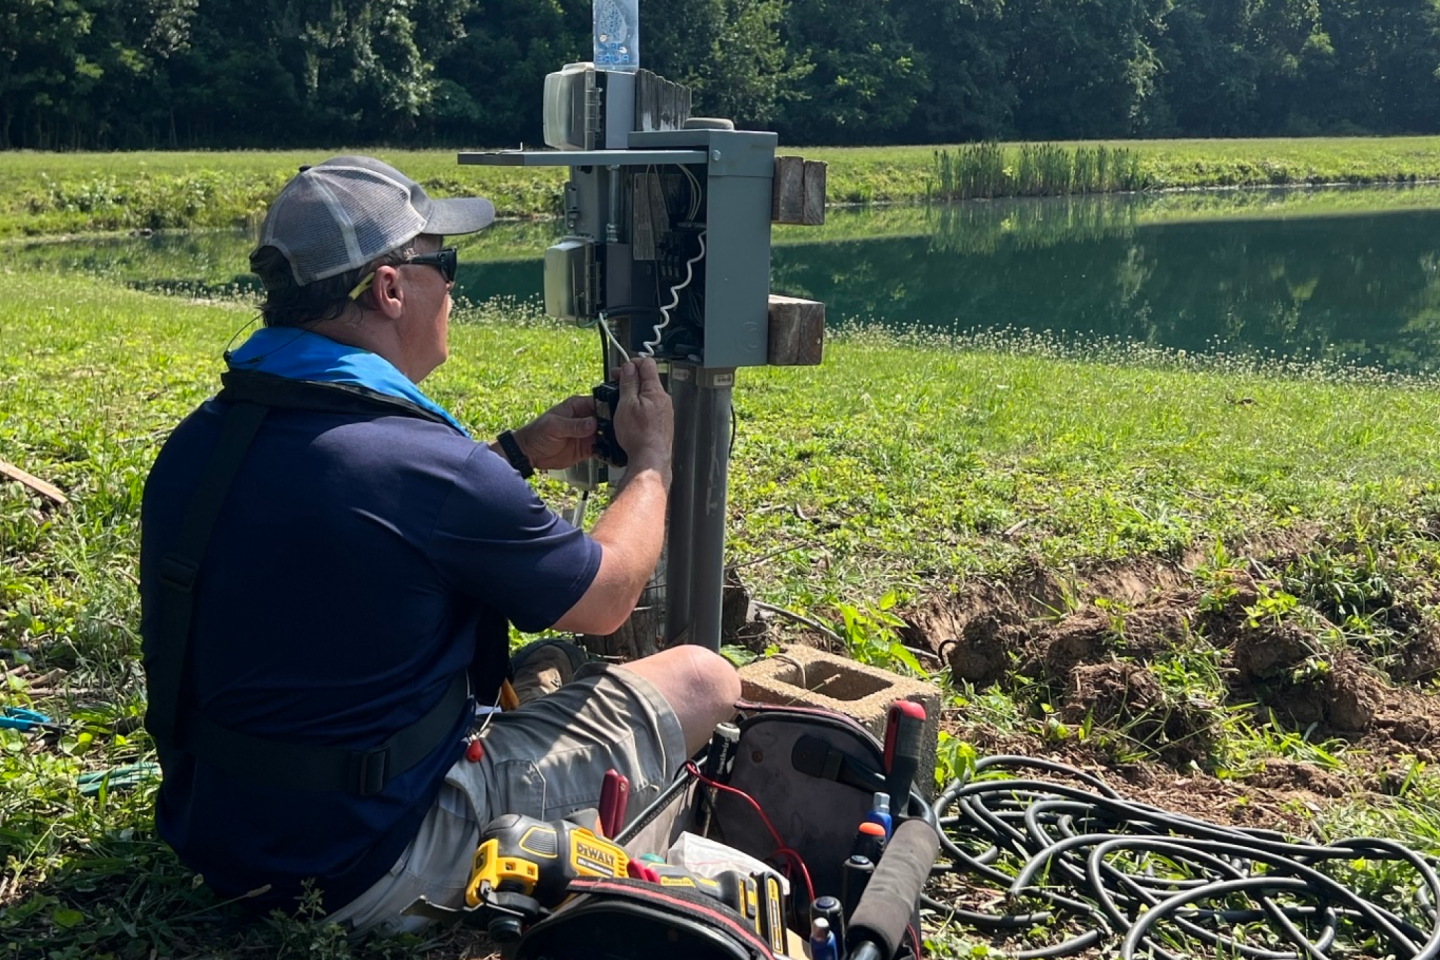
(132,74)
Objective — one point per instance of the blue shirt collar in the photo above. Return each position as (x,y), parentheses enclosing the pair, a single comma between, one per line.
(302,355)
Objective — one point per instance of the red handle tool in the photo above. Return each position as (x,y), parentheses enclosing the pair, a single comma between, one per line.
(614,798)
(904,729)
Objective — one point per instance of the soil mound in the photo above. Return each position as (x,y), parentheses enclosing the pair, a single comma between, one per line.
(1155,658)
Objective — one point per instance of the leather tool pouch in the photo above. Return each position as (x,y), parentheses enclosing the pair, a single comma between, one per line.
(637,920)
(812,772)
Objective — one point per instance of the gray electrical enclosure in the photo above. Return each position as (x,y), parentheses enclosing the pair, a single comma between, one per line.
(667,254)
(638,212)
(738,173)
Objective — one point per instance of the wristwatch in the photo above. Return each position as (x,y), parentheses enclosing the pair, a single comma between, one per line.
(515,455)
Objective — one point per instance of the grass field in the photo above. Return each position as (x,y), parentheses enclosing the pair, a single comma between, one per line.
(907,481)
(1251,548)
(43,193)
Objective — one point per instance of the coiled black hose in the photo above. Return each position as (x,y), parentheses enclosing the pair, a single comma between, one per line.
(1163,884)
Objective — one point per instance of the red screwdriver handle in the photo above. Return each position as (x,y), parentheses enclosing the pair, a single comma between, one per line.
(904,731)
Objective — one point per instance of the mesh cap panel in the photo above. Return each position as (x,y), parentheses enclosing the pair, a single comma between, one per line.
(347,212)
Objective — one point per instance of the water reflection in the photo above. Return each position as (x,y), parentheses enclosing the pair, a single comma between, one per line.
(1356,288)
(501,261)
(1341,275)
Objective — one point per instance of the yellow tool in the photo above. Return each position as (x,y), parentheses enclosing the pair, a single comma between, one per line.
(734,889)
(772,912)
(539,859)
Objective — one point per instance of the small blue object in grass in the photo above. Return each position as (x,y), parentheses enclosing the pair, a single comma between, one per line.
(17,718)
(117,778)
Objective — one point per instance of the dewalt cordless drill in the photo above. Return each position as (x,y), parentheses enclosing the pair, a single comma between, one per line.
(539,859)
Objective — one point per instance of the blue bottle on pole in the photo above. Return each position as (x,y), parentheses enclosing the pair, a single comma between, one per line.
(617,35)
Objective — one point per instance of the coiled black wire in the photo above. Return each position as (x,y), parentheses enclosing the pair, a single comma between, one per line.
(1163,884)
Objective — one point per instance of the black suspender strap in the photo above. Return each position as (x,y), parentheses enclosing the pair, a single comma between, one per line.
(261,760)
(180,568)
(305,766)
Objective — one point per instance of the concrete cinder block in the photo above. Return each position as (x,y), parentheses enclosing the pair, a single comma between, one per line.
(804,676)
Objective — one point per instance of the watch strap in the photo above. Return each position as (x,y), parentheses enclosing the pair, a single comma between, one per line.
(515,455)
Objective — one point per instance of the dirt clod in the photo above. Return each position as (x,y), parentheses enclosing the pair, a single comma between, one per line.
(980,653)
(1156,657)
(1289,776)
(1128,697)
(1270,652)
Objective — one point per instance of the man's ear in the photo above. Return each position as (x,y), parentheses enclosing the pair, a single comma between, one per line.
(387,293)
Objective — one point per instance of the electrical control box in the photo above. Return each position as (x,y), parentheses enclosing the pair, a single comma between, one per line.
(667,219)
(666,254)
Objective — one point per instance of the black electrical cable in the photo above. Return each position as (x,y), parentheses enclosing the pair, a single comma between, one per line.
(1102,869)
(633,310)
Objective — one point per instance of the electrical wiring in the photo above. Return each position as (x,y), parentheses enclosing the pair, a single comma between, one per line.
(780,848)
(695,192)
(648,348)
(605,327)
(1163,884)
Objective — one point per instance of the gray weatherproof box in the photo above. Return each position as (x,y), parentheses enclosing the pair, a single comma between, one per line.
(739,170)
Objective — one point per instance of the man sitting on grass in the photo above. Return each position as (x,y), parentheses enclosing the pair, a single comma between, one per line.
(330,564)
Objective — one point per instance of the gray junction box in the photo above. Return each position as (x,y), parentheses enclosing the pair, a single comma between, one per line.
(667,251)
(636,214)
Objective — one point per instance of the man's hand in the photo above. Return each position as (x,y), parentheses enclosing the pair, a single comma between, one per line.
(560,437)
(644,418)
(631,531)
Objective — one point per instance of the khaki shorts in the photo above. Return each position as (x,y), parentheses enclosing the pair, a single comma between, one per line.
(545,760)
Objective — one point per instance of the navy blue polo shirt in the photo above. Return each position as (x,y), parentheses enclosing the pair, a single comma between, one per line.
(360,562)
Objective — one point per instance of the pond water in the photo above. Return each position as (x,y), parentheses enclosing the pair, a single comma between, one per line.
(1348,276)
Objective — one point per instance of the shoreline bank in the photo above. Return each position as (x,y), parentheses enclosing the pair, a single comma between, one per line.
(46,194)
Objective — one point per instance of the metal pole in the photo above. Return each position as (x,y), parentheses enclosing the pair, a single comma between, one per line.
(712,474)
(679,543)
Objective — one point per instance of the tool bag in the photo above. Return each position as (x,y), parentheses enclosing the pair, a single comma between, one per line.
(800,781)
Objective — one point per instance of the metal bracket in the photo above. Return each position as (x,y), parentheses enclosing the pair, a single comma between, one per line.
(582,158)
(572,205)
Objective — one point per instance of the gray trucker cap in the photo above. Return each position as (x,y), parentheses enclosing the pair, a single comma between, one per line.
(344,213)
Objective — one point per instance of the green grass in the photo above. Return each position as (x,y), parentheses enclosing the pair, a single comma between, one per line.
(871,174)
(987,170)
(899,469)
(47,193)
(44,193)
(909,461)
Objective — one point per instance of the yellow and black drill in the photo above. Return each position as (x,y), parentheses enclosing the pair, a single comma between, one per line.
(538,859)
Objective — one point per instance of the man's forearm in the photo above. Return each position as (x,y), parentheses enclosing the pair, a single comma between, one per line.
(631,534)
(634,524)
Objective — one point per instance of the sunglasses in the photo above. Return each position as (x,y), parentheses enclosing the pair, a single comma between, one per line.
(446,261)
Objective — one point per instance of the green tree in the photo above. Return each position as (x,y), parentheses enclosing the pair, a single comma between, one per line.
(1084,68)
(491,81)
(1382,75)
(866,78)
(730,53)
(1233,67)
(313,71)
(39,46)
(75,73)
(962,63)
